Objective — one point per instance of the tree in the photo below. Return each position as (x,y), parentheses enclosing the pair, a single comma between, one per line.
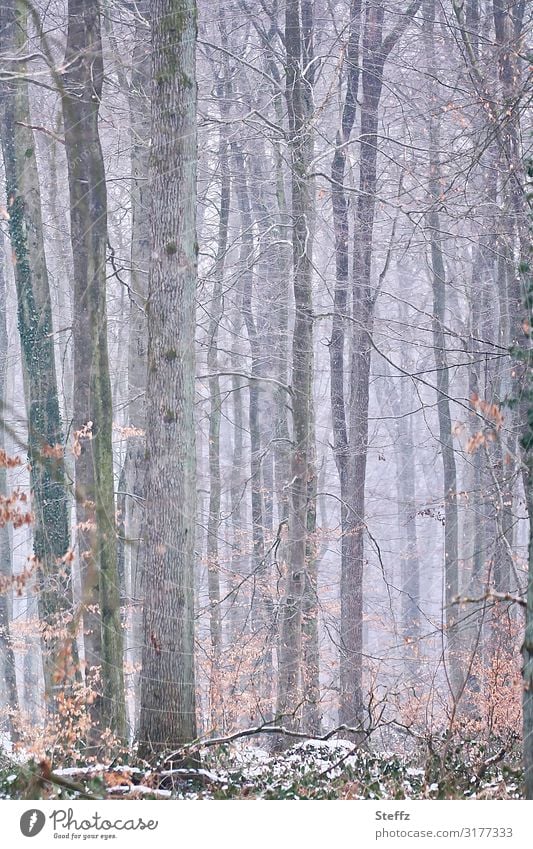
(300,71)
(213,527)
(93,409)
(45,437)
(439,286)
(7,655)
(135,460)
(527,647)
(350,419)
(167,713)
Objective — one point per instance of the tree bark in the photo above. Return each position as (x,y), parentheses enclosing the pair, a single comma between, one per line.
(375,50)
(168,712)
(299,82)
(262,602)
(82,89)
(439,287)
(45,437)
(7,655)
(215,403)
(135,460)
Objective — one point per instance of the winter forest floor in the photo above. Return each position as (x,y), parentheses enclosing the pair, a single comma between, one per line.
(314,769)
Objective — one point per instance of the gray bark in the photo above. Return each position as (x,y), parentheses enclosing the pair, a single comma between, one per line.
(168,712)
(135,460)
(439,286)
(7,655)
(299,82)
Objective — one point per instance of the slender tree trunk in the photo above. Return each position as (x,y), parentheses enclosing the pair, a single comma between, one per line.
(402,433)
(82,89)
(527,449)
(311,713)
(215,403)
(135,460)
(375,50)
(299,81)
(7,655)
(168,711)
(45,437)
(262,603)
(238,558)
(238,599)
(527,648)
(439,286)
(475,529)
(337,343)
(351,638)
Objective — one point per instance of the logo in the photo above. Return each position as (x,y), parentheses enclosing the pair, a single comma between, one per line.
(32,822)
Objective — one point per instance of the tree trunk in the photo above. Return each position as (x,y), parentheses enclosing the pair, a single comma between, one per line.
(439,285)
(337,343)
(168,712)
(82,88)
(351,636)
(262,603)
(135,460)
(215,403)
(527,648)
(7,655)
(299,82)
(402,434)
(45,437)
(375,50)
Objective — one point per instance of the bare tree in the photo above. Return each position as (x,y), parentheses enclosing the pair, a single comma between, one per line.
(167,716)
(93,409)
(300,71)
(45,437)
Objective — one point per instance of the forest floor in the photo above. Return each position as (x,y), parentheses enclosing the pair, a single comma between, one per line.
(331,769)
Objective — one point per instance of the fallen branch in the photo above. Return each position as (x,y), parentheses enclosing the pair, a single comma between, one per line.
(259,729)
(47,776)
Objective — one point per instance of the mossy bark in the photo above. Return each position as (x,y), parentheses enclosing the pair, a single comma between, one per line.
(45,437)
(82,88)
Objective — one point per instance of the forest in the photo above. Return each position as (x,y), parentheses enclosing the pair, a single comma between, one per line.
(266,399)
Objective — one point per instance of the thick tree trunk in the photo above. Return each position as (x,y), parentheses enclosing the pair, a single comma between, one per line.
(168,711)
(82,88)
